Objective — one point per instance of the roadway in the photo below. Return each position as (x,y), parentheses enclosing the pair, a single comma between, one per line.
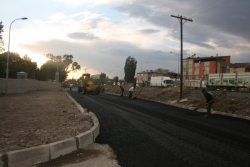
(146,133)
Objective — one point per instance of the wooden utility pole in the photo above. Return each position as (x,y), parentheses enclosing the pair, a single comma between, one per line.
(86,69)
(180,18)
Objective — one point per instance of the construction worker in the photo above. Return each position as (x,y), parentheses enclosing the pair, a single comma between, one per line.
(122,90)
(209,101)
(131,92)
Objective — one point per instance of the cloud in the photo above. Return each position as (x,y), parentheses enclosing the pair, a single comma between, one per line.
(148,31)
(89,2)
(210,18)
(101,56)
(82,35)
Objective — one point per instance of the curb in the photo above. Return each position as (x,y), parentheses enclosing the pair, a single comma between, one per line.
(199,110)
(35,155)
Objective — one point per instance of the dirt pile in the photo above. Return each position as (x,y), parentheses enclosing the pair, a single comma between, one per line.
(39,117)
(230,102)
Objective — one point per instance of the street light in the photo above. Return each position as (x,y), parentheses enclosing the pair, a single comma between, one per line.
(141,65)
(108,72)
(178,60)
(121,71)
(7,69)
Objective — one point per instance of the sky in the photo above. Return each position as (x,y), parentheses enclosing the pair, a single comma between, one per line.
(102,34)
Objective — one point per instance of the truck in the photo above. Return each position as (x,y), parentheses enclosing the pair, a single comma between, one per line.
(229,81)
(87,86)
(161,81)
(222,81)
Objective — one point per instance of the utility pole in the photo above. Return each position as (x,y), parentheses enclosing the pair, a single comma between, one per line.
(86,69)
(180,18)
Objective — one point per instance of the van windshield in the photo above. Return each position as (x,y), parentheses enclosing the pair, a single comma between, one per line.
(168,81)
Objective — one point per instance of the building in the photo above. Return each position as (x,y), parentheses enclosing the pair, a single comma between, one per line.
(239,67)
(145,76)
(95,76)
(22,75)
(195,68)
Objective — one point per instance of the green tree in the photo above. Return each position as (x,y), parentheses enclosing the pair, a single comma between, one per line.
(16,64)
(116,80)
(103,78)
(129,69)
(1,38)
(63,65)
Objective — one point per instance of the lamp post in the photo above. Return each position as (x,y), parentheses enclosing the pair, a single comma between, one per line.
(141,65)
(108,72)
(121,71)
(141,77)
(178,60)
(7,68)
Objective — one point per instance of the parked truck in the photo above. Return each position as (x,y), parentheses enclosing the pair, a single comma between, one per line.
(161,81)
(222,81)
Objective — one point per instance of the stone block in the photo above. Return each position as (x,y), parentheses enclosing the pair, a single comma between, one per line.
(28,156)
(95,130)
(84,139)
(183,100)
(62,147)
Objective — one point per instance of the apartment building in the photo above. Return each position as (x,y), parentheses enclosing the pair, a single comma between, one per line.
(198,67)
(239,67)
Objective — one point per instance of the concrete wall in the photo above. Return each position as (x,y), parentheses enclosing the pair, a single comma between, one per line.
(24,85)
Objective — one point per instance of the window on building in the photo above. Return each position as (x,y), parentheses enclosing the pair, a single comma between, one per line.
(196,77)
(190,77)
(235,69)
(206,68)
(184,62)
(184,69)
(190,69)
(196,68)
(190,61)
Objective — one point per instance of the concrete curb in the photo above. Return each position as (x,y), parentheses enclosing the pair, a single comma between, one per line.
(28,156)
(35,155)
(62,147)
(79,107)
(199,110)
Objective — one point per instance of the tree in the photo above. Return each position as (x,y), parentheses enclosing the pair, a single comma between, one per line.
(116,80)
(63,65)
(16,64)
(1,38)
(129,69)
(103,78)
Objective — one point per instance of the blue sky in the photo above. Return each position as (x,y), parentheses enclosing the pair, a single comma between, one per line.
(101,34)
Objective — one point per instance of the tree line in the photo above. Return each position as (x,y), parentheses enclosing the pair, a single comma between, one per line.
(62,64)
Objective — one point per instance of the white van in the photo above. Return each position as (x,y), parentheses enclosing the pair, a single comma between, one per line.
(161,81)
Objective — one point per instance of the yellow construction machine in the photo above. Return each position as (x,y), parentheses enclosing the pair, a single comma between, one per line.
(87,86)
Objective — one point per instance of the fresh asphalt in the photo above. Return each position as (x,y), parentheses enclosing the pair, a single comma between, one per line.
(145,133)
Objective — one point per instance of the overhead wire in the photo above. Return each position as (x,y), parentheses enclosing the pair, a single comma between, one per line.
(201,8)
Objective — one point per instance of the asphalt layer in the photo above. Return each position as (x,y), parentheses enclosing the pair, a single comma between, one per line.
(145,133)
